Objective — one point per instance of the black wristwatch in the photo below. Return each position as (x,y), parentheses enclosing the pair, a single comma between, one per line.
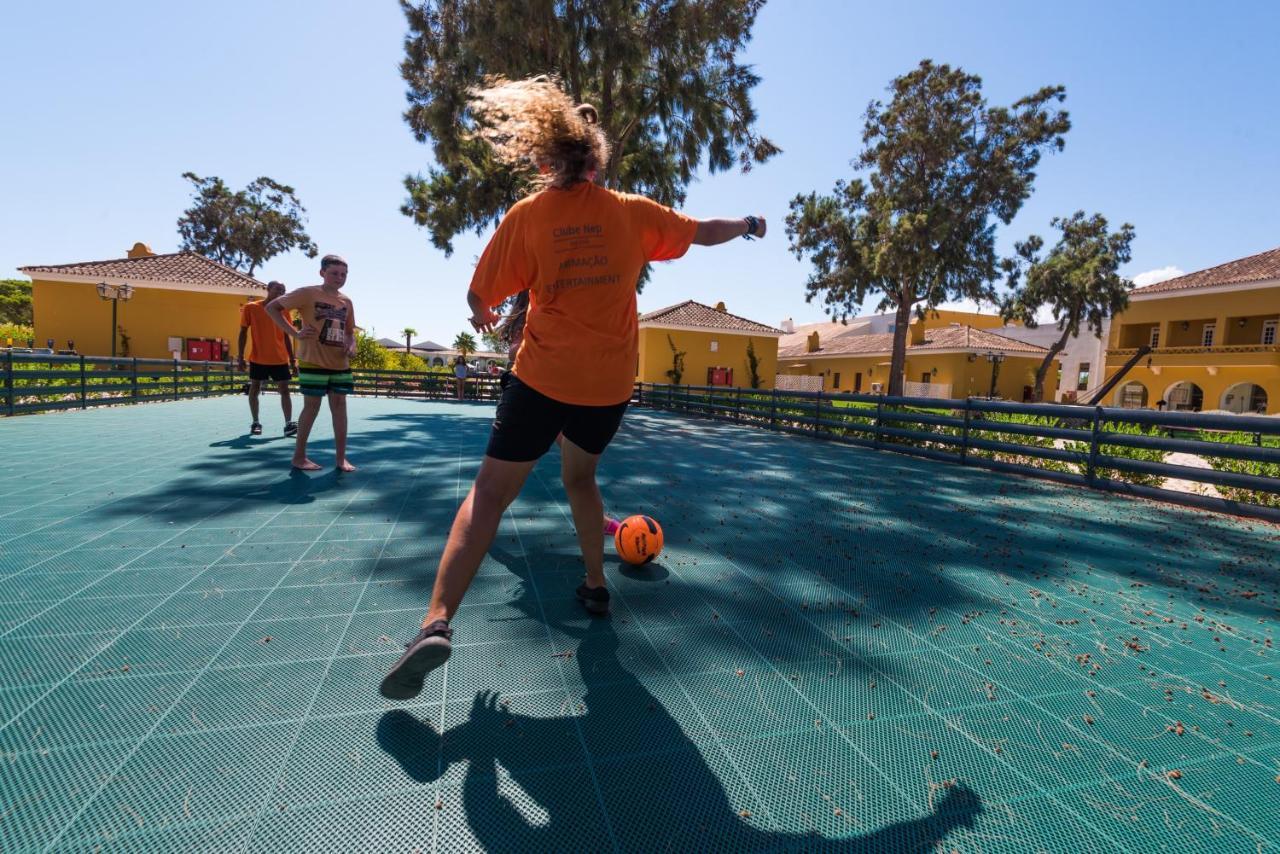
(753,227)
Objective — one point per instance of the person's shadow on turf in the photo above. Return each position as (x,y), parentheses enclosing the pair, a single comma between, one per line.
(654,783)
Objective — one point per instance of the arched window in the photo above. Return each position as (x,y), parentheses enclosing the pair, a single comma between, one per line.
(1132,395)
(1244,398)
(1184,396)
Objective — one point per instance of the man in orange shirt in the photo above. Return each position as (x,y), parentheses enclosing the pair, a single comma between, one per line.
(270,358)
(578,249)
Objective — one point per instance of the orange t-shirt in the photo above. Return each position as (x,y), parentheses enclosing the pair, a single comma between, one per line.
(266,340)
(579,253)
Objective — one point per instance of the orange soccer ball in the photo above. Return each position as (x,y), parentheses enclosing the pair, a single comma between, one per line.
(638,539)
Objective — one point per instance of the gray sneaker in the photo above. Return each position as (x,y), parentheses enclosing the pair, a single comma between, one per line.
(426,652)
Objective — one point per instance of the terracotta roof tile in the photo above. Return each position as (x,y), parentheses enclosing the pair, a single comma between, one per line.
(797,344)
(828,334)
(969,338)
(1255,268)
(690,313)
(955,337)
(183,267)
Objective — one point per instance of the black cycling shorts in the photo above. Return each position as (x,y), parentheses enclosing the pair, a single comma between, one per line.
(528,421)
(279,373)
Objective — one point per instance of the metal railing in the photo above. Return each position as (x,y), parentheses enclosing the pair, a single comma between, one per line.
(424,385)
(1197,349)
(1118,450)
(45,383)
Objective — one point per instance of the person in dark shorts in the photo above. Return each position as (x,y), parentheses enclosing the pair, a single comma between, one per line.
(270,358)
(578,249)
(326,343)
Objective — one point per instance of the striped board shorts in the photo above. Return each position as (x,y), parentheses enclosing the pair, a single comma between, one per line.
(315,381)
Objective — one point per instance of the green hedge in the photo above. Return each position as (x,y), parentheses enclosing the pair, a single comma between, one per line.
(1253,467)
(979,428)
(1125,452)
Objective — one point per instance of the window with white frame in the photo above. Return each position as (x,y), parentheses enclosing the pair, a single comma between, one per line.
(1206,338)
(715,346)
(1155,337)
(1082,378)
(1269,331)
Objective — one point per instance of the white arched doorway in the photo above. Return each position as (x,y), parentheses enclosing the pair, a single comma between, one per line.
(1132,395)
(1185,396)
(1245,397)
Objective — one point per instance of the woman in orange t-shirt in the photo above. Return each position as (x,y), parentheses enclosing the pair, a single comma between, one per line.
(578,249)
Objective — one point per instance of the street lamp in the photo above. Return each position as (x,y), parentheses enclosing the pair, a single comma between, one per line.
(117,294)
(995,359)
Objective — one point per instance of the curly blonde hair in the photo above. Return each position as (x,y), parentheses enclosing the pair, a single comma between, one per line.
(534,122)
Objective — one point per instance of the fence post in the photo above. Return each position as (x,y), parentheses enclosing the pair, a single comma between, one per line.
(964,435)
(206,378)
(133,391)
(375,382)
(737,405)
(8,383)
(175,379)
(817,413)
(773,408)
(1090,471)
(671,404)
(84,392)
(879,409)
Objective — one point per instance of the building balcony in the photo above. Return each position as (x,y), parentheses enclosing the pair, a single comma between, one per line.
(1236,355)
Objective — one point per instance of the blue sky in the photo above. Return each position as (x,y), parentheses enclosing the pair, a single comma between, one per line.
(1174,105)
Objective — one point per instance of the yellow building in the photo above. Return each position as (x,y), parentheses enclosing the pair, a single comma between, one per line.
(181,304)
(1214,340)
(944,358)
(714,343)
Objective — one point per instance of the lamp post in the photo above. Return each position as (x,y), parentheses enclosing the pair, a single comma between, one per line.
(117,294)
(995,359)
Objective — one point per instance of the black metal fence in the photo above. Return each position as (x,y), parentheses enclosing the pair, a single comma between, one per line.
(43,383)
(1229,462)
(424,386)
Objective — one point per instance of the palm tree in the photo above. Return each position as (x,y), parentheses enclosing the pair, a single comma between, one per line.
(408,332)
(465,344)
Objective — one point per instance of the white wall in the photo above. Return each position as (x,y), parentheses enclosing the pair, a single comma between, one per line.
(1083,348)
